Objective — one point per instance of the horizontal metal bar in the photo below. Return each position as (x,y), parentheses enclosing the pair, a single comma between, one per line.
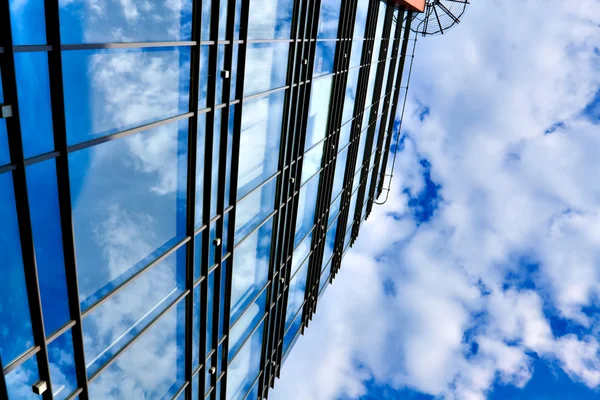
(268,218)
(7,168)
(41,157)
(59,332)
(74,395)
(181,389)
(130,45)
(247,338)
(31,48)
(269,179)
(21,359)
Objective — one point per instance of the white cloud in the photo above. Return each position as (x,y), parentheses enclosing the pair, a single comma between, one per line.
(511,195)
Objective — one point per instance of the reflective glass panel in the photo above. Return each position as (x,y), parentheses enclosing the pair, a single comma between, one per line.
(27,22)
(259,142)
(334,209)
(290,335)
(127,21)
(42,192)
(360,21)
(214,171)
(361,151)
(15,324)
(306,209)
(198,255)
(20,380)
(270,19)
(324,57)
(223,80)
(205,25)
(200,155)
(210,312)
(107,328)
(244,326)
(323,280)
(254,208)
(266,66)
(4,152)
(35,113)
(250,268)
(351,88)
(296,292)
(152,368)
(128,200)
(329,19)
(340,170)
(345,131)
(196,328)
(356,53)
(245,367)
(319,111)
(329,244)
(204,76)
(311,162)
(116,89)
(301,252)
(62,366)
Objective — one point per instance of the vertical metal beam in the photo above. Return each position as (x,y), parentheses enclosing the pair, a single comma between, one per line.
(3,387)
(15,144)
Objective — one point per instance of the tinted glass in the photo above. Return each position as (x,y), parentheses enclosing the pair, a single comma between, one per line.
(196,327)
(35,114)
(20,380)
(205,75)
(259,142)
(311,162)
(297,289)
(244,326)
(329,244)
(340,169)
(254,209)
(116,89)
(4,153)
(306,209)
(62,366)
(270,19)
(45,223)
(27,22)
(290,335)
(250,268)
(245,367)
(361,19)
(319,111)
(301,252)
(351,88)
(210,312)
(334,209)
(356,53)
(265,66)
(329,19)
(15,335)
(200,155)
(205,25)
(152,367)
(128,200)
(324,57)
(128,21)
(125,314)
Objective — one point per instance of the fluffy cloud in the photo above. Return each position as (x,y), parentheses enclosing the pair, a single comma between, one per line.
(454,303)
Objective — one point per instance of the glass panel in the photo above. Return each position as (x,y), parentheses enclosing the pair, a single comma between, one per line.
(360,22)
(210,312)
(356,53)
(329,244)
(344,136)
(319,111)
(216,152)
(324,56)
(62,366)
(35,113)
(247,322)
(361,151)
(340,170)
(212,254)
(253,395)
(200,156)
(4,152)
(253,209)
(296,294)
(245,367)
(127,21)
(334,209)
(125,314)
(205,25)
(195,386)
(350,97)
(290,335)
(266,64)
(204,76)
(198,255)
(306,209)
(270,19)
(15,325)
(27,22)
(222,296)
(311,162)
(196,332)
(329,19)
(19,381)
(323,280)
(152,368)
(250,268)
(128,199)
(351,212)
(259,142)
(301,252)
(221,80)
(45,223)
(116,89)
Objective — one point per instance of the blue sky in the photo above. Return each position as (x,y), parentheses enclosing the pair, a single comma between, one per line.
(479,278)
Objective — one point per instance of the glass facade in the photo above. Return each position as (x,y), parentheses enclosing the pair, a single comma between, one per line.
(176,192)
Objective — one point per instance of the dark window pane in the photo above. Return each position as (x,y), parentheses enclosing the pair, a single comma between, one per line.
(243,327)
(259,143)
(33,89)
(325,53)
(198,255)
(4,152)
(245,367)
(20,380)
(15,335)
(62,366)
(45,222)
(207,382)
(27,22)
(254,208)
(319,111)
(131,21)
(306,209)
(153,367)
(270,19)
(250,268)
(124,315)
(108,91)
(223,295)
(329,19)
(266,66)
(128,199)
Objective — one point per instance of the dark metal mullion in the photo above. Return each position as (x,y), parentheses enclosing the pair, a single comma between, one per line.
(366,156)
(15,144)
(392,117)
(360,98)
(384,127)
(191,204)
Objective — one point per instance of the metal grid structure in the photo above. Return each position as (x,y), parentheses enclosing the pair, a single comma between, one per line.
(194,328)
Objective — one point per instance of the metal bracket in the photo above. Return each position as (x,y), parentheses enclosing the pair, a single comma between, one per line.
(6,111)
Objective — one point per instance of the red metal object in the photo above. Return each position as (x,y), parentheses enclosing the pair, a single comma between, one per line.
(412,5)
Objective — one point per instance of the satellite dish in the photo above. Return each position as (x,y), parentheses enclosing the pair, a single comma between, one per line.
(439,16)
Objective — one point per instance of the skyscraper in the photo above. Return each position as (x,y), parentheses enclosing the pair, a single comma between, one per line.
(179,182)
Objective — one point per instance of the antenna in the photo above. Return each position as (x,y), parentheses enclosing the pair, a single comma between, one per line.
(439,16)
